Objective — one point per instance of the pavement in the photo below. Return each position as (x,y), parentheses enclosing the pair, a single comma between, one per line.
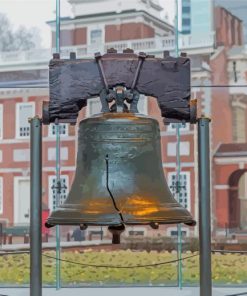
(144,291)
(51,245)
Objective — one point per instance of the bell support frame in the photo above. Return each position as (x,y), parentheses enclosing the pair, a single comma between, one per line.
(167,79)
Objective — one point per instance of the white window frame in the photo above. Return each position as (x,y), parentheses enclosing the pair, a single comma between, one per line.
(172,127)
(17,127)
(1,121)
(145,105)
(187,174)
(52,134)
(1,195)
(135,228)
(50,196)
(170,229)
(91,28)
(89,102)
(16,195)
(172,148)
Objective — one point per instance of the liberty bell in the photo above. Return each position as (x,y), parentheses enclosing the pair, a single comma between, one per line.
(119,177)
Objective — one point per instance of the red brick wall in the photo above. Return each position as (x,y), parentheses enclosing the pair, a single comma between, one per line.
(71,37)
(229,30)
(221,125)
(128,31)
(10,143)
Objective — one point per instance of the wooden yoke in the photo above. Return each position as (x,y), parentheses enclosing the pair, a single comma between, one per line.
(73,81)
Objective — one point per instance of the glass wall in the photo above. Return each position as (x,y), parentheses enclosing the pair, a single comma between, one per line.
(213,39)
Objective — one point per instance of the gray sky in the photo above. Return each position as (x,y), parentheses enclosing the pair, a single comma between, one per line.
(35,13)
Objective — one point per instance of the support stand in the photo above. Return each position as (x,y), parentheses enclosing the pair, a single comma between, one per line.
(36,208)
(204,207)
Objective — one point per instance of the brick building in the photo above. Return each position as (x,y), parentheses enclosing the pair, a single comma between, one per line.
(120,24)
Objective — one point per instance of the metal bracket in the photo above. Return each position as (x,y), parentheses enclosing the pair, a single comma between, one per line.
(98,57)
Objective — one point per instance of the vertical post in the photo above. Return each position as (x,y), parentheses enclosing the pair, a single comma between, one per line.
(204,207)
(57,26)
(58,280)
(178,166)
(58,189)
(36,208)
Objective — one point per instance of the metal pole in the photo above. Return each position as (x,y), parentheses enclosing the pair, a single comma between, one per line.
(58,26)
(178,168)
(204,207)
(36,208)
(58,267)
(58,186)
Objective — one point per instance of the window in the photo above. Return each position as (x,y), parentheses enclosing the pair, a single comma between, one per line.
(239,124)
(242,187)
(186,3)
(175,233)
(184,148)
(136,233)
(53,191)
(24,111)
(185,22)
(64,153)
(186,9)
(93,106)
(142,105)
(1,195)
(184,194)
(96,37)
(1,121)
(184,127)
(63,128)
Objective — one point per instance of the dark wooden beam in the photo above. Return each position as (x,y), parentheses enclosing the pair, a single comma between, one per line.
(74,81)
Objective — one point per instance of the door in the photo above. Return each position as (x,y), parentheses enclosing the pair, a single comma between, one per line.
(22,201)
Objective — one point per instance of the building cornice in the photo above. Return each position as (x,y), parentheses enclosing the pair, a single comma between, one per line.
(95,18)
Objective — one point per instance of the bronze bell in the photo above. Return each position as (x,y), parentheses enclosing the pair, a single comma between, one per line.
(119,177)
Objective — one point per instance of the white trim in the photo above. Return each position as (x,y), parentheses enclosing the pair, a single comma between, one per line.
(239,104)
(241,165)
(6,93)
(172,133)
(143,99)
(173,164)
(230,160)
(89,102)
(221,187)
(45,139)
(184,148)
(1,121)
(1,195)
(115,19)
(95,27)
(172,129)
(17,108)
(16,196)
(45,169)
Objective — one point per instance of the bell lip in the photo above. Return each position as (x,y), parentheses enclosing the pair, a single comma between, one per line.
(50,222)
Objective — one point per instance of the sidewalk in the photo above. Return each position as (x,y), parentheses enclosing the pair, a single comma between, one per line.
(50,245)
(125,291)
